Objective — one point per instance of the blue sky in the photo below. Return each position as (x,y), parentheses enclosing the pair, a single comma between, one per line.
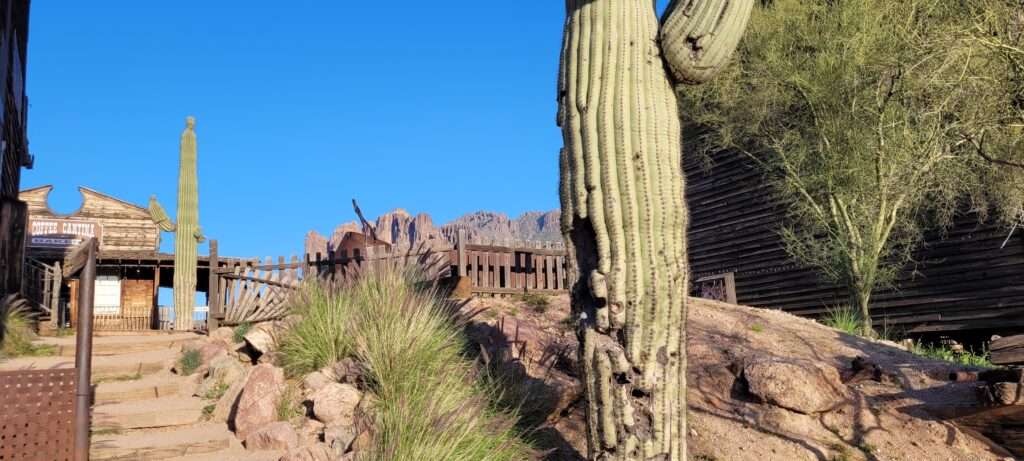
(443,107)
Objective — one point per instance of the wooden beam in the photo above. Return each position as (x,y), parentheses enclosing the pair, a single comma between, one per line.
(1008,351)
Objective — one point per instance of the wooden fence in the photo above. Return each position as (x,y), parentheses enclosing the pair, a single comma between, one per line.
(496,270)
(253,291)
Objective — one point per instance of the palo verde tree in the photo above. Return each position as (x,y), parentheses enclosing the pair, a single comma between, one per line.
(187,233)
(623,213)
(877,120)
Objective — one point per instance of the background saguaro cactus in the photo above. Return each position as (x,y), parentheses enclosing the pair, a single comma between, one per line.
(187,233)
(623,212)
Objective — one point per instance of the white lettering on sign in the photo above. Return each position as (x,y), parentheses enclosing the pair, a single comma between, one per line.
(61,233)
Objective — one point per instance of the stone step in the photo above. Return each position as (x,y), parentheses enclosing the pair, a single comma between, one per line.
(234,454)
(122,344)
(103,367)
(143,414)
(139,387)
(152,445)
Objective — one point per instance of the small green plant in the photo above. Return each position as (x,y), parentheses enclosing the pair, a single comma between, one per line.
(845,319)
(208,411)
(18,334)
(967,357)
(757,328)
(538,302)
(216,392)
(189,362)
(290,404)
(241,330)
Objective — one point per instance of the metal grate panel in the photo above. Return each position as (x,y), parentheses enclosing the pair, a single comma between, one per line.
(37,415)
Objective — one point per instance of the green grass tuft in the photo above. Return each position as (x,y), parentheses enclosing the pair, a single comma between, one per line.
(757,328)
(538,302)
(189,362)
(18,334)
(240,331)
(290,405)
(941,352)
(845,319)
(430,402)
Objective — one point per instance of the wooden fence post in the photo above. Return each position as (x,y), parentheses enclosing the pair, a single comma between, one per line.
(214,314)
(461,247)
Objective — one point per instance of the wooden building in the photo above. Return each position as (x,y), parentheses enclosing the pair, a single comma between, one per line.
(130,268)
(966,281)
(14,153)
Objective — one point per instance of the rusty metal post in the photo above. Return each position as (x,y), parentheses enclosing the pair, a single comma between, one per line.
(83,354)
(461,247)
(213,314)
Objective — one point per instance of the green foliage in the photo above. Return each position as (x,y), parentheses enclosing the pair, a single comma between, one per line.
(17,332)
(430,404)
(942,352)
(876,120)
(189,362)
(845,319)
(240,331)
(216,392)
(538,302)
(757,328)
(208,411)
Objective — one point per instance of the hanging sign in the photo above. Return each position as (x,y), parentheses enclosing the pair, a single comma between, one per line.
(61,233)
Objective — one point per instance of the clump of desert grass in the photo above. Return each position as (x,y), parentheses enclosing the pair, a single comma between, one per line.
(430,402)
(17,332)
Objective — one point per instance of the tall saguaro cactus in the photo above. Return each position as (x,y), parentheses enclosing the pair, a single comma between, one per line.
(187,233)
(623,212)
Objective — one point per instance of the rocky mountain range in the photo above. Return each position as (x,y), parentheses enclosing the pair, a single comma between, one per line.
(403,230)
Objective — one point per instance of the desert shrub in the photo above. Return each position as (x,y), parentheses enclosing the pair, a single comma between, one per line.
(240,331)
(430,404)
(16,331)
(189,362)
(843,318)
(538,302)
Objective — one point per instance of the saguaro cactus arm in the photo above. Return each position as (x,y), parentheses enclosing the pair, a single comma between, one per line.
(699,36)
(159,216)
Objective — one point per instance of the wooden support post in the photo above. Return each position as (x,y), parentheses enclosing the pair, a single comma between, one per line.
(214,314)
(58,284)
(461,248)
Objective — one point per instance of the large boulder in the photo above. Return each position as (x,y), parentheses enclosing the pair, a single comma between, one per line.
(257,405)
(340,437)
(315,381)
(798,385)
(227,406)
(263,337)
(223,371)
(273,436)
(336,403)
(315,452)
(224,335)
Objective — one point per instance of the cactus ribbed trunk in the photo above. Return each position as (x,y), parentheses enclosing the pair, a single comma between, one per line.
(623,212)
(187,234)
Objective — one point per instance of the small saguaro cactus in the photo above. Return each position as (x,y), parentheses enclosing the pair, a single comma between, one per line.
(623,212)
(187,233)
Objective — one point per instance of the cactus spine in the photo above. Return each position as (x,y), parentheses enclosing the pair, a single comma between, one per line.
(623,212)
(187,233)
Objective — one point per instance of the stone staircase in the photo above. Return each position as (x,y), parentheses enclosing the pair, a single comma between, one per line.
(142,411)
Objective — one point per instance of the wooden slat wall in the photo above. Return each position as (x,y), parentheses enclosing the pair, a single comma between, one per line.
(506,270)
(126,227)
(965,281)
